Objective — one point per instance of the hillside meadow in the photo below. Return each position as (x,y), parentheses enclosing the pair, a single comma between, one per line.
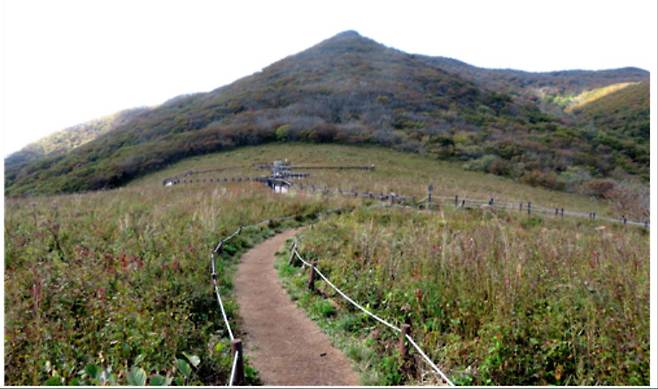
(399,172)
(493,298)
(113,287)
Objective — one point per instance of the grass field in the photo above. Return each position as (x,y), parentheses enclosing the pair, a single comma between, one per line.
(403,173)
(114,286)
(100,283)
(495,298)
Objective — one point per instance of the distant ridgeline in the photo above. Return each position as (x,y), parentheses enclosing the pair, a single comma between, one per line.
(352,90)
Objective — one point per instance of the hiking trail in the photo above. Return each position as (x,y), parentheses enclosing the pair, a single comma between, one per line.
(279,339)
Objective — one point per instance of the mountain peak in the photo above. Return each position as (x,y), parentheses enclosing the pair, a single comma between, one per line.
(348,34)
(347,40)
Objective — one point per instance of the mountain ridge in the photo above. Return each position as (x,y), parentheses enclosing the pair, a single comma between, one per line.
(345,89)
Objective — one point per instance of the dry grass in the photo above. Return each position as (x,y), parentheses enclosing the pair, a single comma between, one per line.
(498,298)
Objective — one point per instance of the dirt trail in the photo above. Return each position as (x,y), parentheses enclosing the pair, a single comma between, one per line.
(284,345)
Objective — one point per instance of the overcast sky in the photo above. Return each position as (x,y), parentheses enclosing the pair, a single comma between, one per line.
(68,61)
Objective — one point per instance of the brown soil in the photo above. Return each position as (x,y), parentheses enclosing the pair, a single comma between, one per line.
(284,345)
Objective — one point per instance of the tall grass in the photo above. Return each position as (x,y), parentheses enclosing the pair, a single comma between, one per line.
(103,287)
(500,299)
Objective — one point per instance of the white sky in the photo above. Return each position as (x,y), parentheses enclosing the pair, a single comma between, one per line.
(69,61)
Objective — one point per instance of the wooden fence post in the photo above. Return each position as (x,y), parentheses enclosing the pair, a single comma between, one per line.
(236,345)
(624,218)
(529,207)
(292,253)
(456,201)
(520,207)
(311,276)
(429,196)
(402,345)
(463,203)
(562,212)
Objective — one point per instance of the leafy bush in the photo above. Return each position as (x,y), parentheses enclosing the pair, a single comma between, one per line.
(600,188)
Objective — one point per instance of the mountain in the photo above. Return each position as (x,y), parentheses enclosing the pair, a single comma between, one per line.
(347,89)
(68,139)
(539,85)
(620,120)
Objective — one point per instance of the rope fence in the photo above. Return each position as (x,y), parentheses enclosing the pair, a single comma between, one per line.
(458,202)
(233,369)
(372,315)
(237,368)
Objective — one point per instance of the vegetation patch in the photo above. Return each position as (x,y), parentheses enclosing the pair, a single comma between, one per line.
(493,298)
(107,287)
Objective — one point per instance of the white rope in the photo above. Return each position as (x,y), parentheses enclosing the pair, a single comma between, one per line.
(428,360)
(233,369)
(344,295)
(221,306)
(221,243)
(379,319)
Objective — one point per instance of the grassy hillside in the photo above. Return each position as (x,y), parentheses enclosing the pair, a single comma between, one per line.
(578,101)
(396,171)
(624,113)
(494,298)
(350,90)
(68,139)
(100,284)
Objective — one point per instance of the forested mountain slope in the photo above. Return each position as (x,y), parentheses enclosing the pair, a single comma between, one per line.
(347,89)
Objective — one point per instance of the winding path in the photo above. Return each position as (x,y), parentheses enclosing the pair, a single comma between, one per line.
(284,345)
